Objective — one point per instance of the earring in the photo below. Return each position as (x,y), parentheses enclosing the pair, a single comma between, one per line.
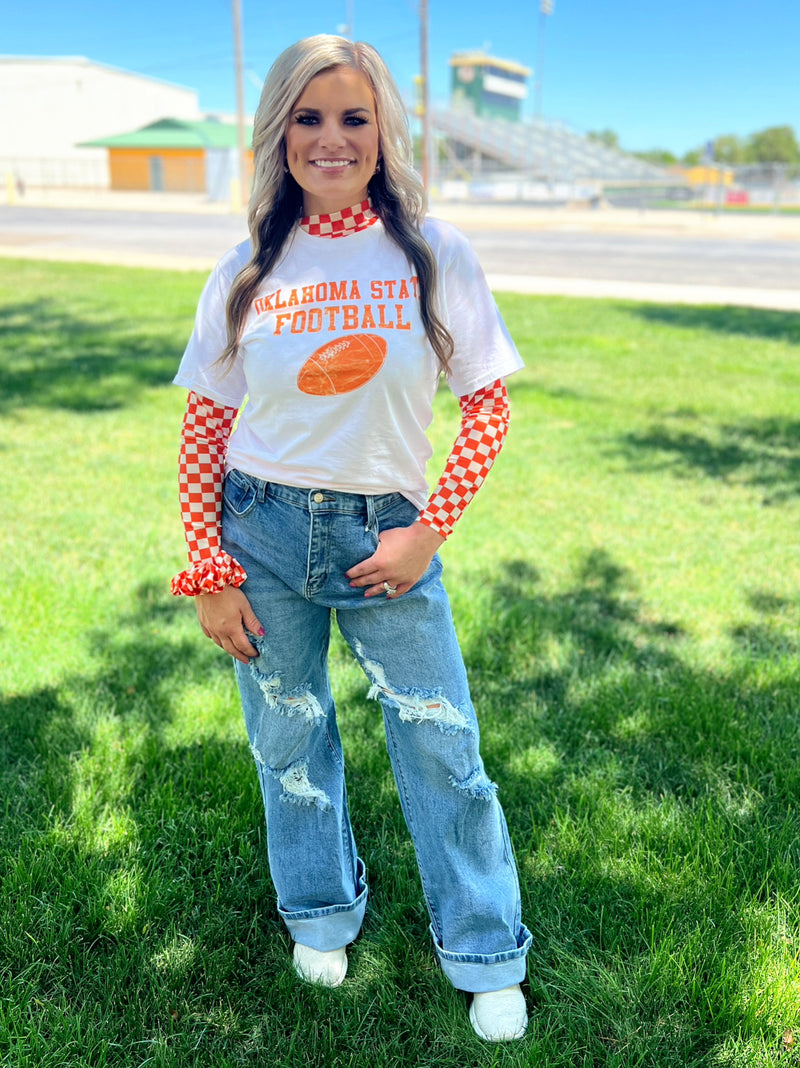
(377,167)
(285,167)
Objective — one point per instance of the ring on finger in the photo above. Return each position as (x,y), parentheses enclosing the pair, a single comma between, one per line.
(389,589)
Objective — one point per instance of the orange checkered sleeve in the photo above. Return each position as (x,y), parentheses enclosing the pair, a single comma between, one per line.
(204,441)
(484,424)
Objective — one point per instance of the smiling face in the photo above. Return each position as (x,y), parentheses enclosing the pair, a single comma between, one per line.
(332,141)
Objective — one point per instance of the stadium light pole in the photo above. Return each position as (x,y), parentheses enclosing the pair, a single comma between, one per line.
(240,123)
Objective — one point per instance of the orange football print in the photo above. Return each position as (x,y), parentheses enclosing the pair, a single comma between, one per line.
(342,365)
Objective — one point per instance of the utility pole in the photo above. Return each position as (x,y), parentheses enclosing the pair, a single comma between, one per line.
(243,191)
(425,95)
(545,9)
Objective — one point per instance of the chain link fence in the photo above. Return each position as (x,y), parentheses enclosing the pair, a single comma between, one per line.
(68,172)
(768,184)
(773,186)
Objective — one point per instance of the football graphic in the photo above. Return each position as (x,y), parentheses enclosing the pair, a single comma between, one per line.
(342,365)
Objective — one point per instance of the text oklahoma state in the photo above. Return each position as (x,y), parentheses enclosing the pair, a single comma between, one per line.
(328,306)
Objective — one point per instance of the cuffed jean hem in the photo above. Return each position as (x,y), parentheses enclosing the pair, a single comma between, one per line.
(330,927)
(478,973)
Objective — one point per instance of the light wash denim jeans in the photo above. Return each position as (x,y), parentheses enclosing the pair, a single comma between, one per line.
(296,545)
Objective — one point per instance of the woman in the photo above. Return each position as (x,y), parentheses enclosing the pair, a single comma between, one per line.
(335,321)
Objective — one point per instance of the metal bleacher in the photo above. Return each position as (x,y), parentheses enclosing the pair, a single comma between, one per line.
(541,149)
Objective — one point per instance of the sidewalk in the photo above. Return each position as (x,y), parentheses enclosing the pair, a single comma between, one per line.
(649,292)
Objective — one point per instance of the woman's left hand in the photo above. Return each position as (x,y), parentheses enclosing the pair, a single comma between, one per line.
(401,559)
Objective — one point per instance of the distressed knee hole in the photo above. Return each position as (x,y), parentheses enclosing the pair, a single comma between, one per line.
(297,702)
(297,787)
(414,705)
(477,784)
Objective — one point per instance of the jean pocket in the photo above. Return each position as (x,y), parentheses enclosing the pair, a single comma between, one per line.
(397,513)
(239,493)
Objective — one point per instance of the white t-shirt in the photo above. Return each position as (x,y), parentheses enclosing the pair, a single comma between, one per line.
(334,361)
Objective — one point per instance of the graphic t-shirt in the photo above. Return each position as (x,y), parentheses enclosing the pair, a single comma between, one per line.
(334,361)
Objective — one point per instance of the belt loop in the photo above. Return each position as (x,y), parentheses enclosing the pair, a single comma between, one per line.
(262,490)
(372,515)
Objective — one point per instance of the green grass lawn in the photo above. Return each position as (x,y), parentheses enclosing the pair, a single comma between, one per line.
(627,592)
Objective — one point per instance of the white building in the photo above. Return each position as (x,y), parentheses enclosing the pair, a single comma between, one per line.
(49,105)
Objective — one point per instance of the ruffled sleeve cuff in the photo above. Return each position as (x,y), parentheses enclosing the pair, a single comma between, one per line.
(209,576)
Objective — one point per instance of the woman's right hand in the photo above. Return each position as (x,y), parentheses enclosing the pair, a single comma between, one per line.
(224,617)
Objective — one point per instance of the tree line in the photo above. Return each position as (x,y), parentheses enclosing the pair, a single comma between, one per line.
(775,144)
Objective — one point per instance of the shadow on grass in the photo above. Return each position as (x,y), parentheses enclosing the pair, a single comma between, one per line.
(654,801)
(51,358)
(725,319)
(763,453)
(51,729)
(133,863)
(588,664)
(643,795)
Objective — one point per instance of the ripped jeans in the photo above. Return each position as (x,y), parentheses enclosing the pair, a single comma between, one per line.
(295,545)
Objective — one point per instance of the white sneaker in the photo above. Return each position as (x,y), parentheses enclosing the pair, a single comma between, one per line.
(499,1015)
(323,968)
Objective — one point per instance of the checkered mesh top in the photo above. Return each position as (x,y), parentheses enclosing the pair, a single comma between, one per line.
(340,223)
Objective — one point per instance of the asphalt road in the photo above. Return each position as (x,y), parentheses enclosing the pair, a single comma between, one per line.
(642,257)
(127,235)
(527,255)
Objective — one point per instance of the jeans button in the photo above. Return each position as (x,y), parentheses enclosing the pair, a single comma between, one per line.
(318,498)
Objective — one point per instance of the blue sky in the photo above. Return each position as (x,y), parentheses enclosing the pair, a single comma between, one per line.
(660,75)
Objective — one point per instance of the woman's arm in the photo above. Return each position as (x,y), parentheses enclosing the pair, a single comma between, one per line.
(484,425)
(204,442)
(405,553)
(214,576)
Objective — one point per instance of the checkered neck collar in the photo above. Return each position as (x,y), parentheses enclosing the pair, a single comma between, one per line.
(340,223)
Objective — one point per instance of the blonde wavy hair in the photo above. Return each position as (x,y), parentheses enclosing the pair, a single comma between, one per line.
(276,201)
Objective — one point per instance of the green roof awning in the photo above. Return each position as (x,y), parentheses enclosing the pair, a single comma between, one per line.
(176,133)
